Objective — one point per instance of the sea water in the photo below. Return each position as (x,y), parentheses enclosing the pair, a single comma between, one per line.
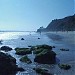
(13,39)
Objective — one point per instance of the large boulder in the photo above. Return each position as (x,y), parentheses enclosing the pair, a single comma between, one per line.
(23,51)
(8,64)
(44,54)
(6,48)
(46,57)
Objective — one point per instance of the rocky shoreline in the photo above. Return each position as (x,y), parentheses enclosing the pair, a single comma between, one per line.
(25,56)
(8,63)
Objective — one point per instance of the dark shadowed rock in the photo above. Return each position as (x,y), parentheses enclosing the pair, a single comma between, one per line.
(8,64)
(29,46)
(38,38)
(20,69)
(6,48)
(1,41)
(62,49)
(22,38)
(53,46)
(46,57)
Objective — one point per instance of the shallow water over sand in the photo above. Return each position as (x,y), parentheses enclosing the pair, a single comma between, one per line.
(13,39)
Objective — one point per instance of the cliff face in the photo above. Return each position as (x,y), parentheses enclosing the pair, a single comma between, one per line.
(65,24)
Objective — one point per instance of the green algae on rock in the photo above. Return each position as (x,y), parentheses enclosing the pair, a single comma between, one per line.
(42,71)
(64,66)
(26,59)
(23,51)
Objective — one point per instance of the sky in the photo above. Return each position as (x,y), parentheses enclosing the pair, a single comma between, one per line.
(29,15)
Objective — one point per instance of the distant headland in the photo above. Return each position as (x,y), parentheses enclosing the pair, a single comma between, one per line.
(64,24)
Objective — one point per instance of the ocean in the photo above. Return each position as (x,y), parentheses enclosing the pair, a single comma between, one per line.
(59,40)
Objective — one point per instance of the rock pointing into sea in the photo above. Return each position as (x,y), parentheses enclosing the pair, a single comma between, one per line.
(8,65)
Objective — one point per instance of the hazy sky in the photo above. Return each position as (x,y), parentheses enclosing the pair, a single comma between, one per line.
(31,14)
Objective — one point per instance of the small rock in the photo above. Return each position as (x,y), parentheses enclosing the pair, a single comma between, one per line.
(64,66)
(20,69)
(53,46)
(1,41)
(38,38)
(62,49)
(42,71)
(6,48)
(26,59)
(29,46)
(22,38)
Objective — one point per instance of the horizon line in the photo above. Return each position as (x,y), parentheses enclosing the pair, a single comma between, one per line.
(15,31)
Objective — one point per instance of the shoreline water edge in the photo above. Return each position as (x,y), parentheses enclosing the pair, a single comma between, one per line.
(63,44)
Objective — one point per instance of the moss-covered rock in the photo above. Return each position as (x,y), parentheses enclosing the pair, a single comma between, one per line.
(39,48)
(26,59)
(44,54)
(44,46)
(23,51)
(37,51)
(6,48)
(64,66)
(42,71)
